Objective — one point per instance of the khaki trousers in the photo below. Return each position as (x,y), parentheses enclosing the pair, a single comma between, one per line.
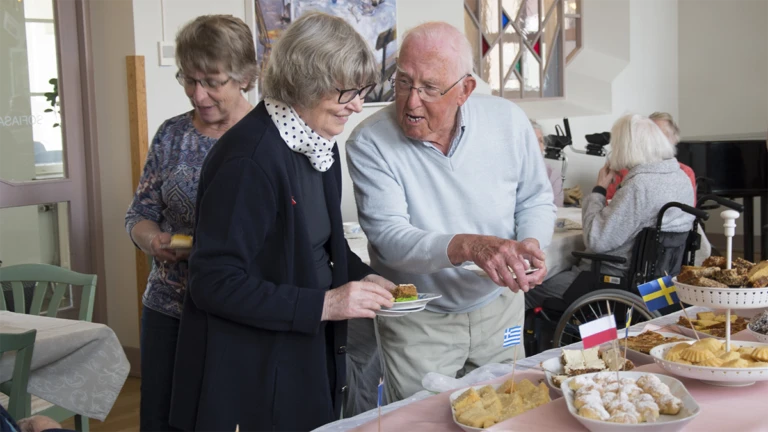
(446,343)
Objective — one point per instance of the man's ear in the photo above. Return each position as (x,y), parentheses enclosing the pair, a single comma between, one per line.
(468,85)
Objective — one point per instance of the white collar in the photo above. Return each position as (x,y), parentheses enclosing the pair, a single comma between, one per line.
(299,137)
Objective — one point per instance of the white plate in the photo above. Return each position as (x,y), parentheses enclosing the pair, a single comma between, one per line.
(424,298)
(398,313)
(551,368)
(733,298)
(474,268)
(759,336)
(726,377)
(688,412)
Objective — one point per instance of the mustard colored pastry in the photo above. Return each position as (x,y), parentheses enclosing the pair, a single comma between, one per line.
(673,354)
(745,350)
(760,354)
(733,355)
(713,362)
(740,363)
(759,365)
(710,344)
(696,354)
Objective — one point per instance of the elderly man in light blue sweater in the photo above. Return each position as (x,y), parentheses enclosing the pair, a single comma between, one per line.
(442,178)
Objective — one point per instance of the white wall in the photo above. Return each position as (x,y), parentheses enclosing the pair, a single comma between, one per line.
(724,75)
(723,67)
(647,84)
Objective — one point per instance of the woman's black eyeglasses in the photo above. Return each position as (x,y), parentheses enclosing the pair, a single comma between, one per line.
(347,95)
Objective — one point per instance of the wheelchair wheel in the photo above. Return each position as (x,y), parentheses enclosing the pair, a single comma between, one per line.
(594,305)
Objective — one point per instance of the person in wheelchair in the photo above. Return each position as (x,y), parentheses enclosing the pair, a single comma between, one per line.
(653,180)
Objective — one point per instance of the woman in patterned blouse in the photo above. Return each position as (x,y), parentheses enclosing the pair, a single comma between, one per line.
(217,63)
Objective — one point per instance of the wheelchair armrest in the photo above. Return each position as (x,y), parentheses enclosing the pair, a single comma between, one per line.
(599,257)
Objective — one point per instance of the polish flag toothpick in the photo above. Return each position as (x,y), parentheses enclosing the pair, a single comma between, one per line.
(598,331)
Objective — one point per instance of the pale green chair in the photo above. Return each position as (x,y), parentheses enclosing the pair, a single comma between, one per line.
(55,280)
(18,404)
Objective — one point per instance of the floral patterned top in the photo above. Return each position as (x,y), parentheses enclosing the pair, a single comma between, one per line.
(166,195)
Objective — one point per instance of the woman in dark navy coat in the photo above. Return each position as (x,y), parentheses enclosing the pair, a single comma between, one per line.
(272,279)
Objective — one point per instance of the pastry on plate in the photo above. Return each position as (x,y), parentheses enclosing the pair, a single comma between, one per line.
(180,241)
(405,292)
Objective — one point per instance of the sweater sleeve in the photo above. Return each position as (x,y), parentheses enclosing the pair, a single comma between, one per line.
(237,210)
(535,211)
(383,215)
(148,202)
(606,227)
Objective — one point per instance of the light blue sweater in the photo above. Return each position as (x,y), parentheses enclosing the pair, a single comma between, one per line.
(412,199)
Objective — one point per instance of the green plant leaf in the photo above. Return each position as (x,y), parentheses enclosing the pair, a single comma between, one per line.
(47,110)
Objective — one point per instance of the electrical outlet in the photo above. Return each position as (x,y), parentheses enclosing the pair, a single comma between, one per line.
(166,52)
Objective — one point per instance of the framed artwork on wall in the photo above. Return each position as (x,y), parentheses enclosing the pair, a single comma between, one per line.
(375,20)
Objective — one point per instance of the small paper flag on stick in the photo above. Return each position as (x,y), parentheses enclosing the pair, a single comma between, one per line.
(626,331)
(381,393)
(598,331)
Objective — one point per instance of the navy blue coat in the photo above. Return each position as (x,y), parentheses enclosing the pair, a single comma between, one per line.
(252,349)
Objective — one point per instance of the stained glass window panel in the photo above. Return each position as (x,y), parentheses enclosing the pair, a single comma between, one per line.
(492,68)
(531,73)
(472,5)
(528,18)
(550,35)
(510,49)
(490,19)
(553,72)
(512,87)
(472,32)
(512,7)
(520,46)
(571,7)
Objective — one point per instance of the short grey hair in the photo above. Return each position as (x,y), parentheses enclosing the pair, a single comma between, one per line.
(668,125)
(314,56)
(637,140)
(536,126)
(437,32)
(218,43)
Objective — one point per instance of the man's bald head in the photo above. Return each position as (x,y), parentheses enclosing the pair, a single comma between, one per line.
(443,39)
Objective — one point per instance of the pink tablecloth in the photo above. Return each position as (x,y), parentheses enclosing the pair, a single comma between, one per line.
(434,414)
(722,408)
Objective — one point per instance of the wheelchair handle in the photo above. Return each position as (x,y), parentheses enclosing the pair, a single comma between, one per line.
(700,214)
(599,257)
(722,201)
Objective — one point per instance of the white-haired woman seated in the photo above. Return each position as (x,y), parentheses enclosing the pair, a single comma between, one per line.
(653,180)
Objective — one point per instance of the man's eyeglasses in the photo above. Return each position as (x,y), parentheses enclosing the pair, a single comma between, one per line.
(207,83)
(427,93)
(347,95)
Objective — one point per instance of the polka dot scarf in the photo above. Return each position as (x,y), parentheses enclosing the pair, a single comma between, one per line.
(299,136)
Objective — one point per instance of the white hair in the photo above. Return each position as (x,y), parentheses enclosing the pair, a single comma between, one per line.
(437,33)
(536,126)
(667,124)
(637,140)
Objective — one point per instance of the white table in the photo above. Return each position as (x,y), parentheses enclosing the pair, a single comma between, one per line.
(77,365)
(559,258)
